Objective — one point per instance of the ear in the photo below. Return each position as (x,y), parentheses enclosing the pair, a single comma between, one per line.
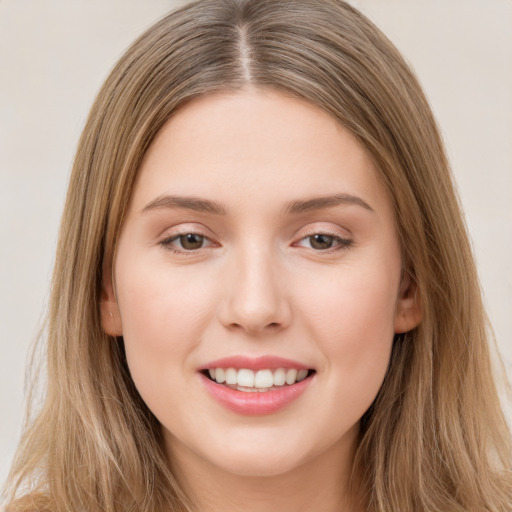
(409,311)
(110,315)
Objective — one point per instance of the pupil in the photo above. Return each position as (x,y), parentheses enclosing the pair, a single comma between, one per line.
(321,241)
(191,241)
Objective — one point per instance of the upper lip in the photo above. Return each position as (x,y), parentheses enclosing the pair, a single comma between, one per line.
(255,363)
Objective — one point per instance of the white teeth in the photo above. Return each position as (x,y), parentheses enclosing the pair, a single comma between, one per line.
(231,376)
(248,390)
(220,375)
(291,376)
(279,377)
(261,380)
(246,378)
(301,375)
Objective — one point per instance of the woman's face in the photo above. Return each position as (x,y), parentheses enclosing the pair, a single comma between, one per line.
(258,244)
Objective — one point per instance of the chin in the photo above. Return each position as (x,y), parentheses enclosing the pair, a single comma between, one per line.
(253,453)
(258,464)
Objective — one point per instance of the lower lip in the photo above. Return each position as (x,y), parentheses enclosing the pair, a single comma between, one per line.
(256,403)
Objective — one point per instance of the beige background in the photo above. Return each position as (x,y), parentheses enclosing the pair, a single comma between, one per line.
(54,55)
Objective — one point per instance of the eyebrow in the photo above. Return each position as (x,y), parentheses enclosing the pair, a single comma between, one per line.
(186,203)
(295,207)
(319,203)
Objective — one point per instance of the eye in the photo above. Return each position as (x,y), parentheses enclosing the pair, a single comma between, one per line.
(324,242)
(186,242)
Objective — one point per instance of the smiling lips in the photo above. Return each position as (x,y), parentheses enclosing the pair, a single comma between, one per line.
(255,386)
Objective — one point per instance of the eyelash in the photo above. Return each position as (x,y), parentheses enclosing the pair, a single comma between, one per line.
(167,243)
(341,243)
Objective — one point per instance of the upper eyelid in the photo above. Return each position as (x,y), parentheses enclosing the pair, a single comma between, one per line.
(192,228)
(338,232)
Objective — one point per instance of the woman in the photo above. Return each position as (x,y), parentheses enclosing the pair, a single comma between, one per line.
(264,295)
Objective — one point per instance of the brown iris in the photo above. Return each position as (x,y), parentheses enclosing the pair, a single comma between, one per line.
(191,241)
(321,241)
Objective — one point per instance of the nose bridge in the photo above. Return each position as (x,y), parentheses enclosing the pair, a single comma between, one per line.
(255,299)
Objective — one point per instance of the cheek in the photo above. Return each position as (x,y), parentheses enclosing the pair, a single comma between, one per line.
(352,320)
(355,305)
(158,302)
(163,317)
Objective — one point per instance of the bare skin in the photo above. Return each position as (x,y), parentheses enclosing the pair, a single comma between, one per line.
(305,488)
(258,228)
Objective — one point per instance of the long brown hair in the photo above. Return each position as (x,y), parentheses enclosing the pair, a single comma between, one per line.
(435,438)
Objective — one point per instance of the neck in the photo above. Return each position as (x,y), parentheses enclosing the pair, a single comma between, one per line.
(320,484)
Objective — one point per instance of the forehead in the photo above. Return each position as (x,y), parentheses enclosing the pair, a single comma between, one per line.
(238,147)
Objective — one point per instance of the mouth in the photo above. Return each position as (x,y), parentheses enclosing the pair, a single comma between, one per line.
(257,381)
(256,385)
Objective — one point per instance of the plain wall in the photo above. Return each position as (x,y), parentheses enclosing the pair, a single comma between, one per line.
(54,55)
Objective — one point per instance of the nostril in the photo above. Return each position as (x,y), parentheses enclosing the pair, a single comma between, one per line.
(255,329)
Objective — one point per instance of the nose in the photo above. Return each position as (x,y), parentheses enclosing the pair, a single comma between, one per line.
(255,299)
